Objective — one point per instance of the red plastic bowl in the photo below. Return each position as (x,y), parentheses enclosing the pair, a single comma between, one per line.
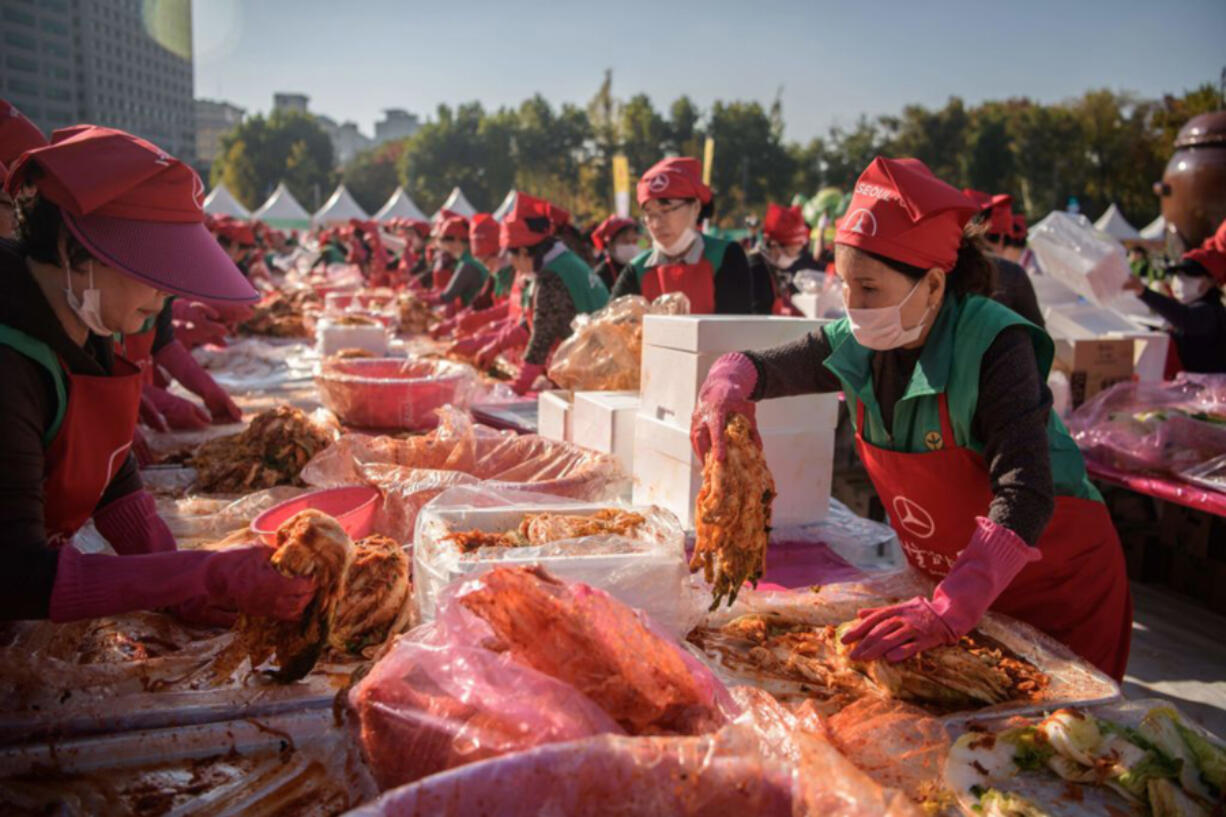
(392,393)
(353,506)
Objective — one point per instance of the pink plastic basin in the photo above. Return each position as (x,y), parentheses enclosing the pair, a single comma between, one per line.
(353,506)
(392,393)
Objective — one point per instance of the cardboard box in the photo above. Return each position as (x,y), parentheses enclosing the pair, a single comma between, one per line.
(1094,365)
(554,414)
(724,333)
(671,379)
(667,473)
(604,421)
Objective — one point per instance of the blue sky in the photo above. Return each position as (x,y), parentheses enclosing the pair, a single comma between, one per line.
(835,60)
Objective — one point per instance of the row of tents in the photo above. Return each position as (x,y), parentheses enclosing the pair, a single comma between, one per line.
(284,212)
(1113,223)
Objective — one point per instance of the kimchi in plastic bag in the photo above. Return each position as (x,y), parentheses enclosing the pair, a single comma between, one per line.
(411,472)
(604,352)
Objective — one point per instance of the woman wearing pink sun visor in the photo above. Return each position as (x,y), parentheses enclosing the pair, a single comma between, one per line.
(108,226)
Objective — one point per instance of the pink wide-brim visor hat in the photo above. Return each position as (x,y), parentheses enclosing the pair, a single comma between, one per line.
(182,258)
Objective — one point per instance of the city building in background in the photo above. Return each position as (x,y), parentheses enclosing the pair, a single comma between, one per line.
(397,124)
(121,63)
(290,102)
(347,140)
(214,119)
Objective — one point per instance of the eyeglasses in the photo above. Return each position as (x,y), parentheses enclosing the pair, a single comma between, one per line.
(655,215)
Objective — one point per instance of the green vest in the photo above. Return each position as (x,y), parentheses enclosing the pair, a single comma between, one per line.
(585,287)
(503,279)
(950,364)
(713,250)
(467,258)
(41,354)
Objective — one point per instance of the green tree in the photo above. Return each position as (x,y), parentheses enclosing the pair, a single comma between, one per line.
(371,175)
(752,166)
(259,153)
(447,153)
(643,134)
(685,136)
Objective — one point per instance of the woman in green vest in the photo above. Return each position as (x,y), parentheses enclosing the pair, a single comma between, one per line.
(947,389)
(552,286)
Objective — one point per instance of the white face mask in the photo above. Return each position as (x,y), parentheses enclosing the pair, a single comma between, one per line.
(625,253)
(882,328)
(786,261)
(1188,288)
(87,307)
(679,246)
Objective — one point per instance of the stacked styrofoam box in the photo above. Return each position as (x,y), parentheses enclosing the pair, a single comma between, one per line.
(797,432)
(604,421)
(553,416)
(1084,321)
(331,337)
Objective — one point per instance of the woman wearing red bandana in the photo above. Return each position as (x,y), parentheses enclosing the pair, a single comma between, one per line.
(947,389)
(109,226)
(616,241)
(552,286)
(713,273)
(1011,284)
(783,253)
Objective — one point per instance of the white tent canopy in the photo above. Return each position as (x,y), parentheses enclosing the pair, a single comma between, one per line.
(221,202)
(283,210)
(507,204)
(457,203)
(1155,230)
(340,207)
(399,206)
(1115,225)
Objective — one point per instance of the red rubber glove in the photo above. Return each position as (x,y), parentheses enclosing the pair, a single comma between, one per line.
(180,414)
(511,336)
(149,414)
(193,311)
(132,525)
(94,585)
(484,317)
(983,570)
(140,447)
(184,368)
(528,373)
(232,314)
(725,391)
(443,329)
(468,347)
(197,333)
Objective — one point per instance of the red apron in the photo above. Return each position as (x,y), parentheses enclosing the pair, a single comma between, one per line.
(441,279)
(138,348)
(697,281)
(90,447)
(1077,593)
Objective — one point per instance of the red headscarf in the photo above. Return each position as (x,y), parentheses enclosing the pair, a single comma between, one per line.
(453,226)
(530,222)
(899,209)
(1020,230)
(17,135)
(785,225)
(483,235)
(678,177)
(608,229)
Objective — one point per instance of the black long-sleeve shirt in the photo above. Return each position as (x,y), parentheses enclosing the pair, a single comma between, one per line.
(769,279)
(1198,328)
(465,284)
(1011,417)
(1012,288)
(27,409)
(734,293)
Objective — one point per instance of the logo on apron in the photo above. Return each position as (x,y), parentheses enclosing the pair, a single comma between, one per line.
(913,518)
(934,441)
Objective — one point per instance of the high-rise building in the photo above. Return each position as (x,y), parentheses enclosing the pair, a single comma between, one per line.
(122,63)
(397,124)
(213,121)
(290,102)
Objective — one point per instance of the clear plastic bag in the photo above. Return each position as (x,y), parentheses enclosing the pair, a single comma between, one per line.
(768,762)
(394,394)
(604,351)
(459,452)
(644,567)
(517,659)
(1069,249)
(1164,427)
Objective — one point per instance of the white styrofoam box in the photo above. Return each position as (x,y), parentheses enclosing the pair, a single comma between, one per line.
(553,414)
(1068,248)
(1050,291)
(646,570)
(1085,321)
(331,337)
(671,379)
(806,302)
(604,421)
(667,473)
(724,333)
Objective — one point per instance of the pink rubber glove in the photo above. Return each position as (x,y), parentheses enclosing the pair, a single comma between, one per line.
(725,391)
(444,329)
(468,347)
(528,373)
(983,570)
(512,336)
(231,313)
(184,368)
(94,585)
(197,333)
(140,447)
(132,525)
(193,311)
(483,317)
(180,414)
(149,414)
